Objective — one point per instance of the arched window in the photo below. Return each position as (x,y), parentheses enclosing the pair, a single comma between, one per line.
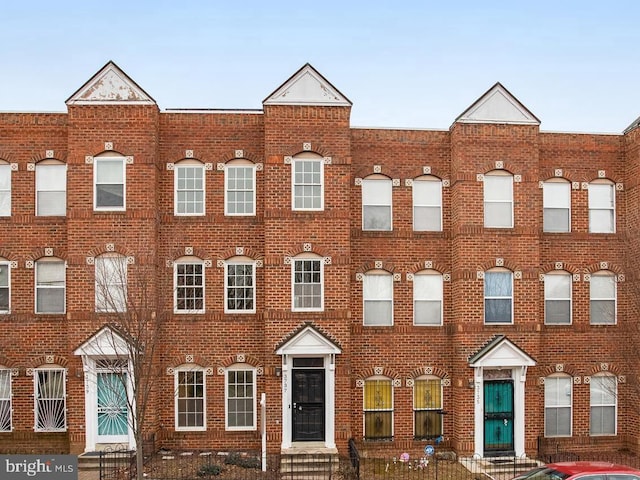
(602,294)
(240,285)
(188,291)
(307,182)
(602,206)
(377,293)
(427,204)
(307,289)
(189,188)
(50,285)
(240,397)
(51,188)
(498,199)
(240,188)
(558,405)
(498,296)
(376,203)
(427,407)
(109,182)
(111,283)
(5,399)
(378,408)
(5,285)
(557,298)
(603,402)
(190,400)
(556,200)
(5,189)
(50,399)
(427,298)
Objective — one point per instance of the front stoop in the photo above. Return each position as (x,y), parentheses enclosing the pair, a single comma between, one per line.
(309,461)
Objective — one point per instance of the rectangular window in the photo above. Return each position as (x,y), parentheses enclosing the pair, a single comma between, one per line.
(603,394)
(556,199)
(51,190)
(427,408)
(557,406)
(189,288)
(240,292)
(190,400)
(5,400)
(50,286)
(308,184)
(5,190)
(111,283)
(109,179)
(427,299)
(376,204)
(189,189)
(378,409)
(498,297)
(241,400)
(557,299)
(307,284)
(50,400)
(498,201)
(378,299)
(427,205)
(602,208)
(602,287)
(5,287)
(241,190)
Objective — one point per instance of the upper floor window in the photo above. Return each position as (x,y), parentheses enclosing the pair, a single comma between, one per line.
(556,200)
(307,285)
(602,207)
(557,405)
(51,188)
(602,294)
(240,286)
(427,204)
(240,191)
(427,298)
(498,199)
(378,408)
(190,400)
(50,285)
(189,285)
(557,298)
(109,182)
(5,189)
(308,182)
(377,293)
(189,188)
(240,396)
(498,296)
(376,203)
(111,283)
(427,407)
(5,400)
(5,286)
(50,399)
(603,389)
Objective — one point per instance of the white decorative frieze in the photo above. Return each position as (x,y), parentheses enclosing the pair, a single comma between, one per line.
(220,263)
(602,174)
(585,185)
(557,172)
(220,167)
(397,382)
(359,277)
(397,277)
(479,177)
(239,153)
(622,379)
(14,264)
(259,263)
(360,383)
(558,265)
(287,260)
(358,182)
(446,183)
(288,160)
(378,264)
(620,278)
(327,160)
(540,184)
(91,260)
(499,262)
(446,277)
(306,247)
(49,154)
(48,252)
(131,260)
(88,159)
(241,358)
(239,250)
(188,250)
(409,382)
(377,169)
(259,167)
(168,264)
(129,159)
(208,371)
(409,277)
(49,359)
(28,264)
(306,146)
(517,178)
(395,182)
(541,277)
(559,367)
(604,265)
(446,382)
(110,247)
(14,167)
(426,170)
(220,370)
(428,264)
(170,371)
(500,164)
(408,182)
(517,275)
(619,187)
(188,358)
(208,263)
(188,154)
(576,277)
(480,275)
(587,277)
(171,166)
(108,145)
(327,260)
(575,185)
(604,367)
(378,370)
(577,380)
(208,166)
(31,167)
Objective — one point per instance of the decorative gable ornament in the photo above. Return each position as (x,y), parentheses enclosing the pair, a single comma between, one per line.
(307,87)
(497,105)
(110,86)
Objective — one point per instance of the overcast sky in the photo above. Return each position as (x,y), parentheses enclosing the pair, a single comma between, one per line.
(415,64)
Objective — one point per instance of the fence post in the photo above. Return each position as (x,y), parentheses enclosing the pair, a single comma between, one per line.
(263,426)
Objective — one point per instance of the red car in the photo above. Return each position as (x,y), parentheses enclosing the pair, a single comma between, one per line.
(581,471)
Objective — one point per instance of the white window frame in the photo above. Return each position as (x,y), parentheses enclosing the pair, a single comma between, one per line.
(96,163)
(197,371)
(368,296)
(294,263)
(297,161)
(597,205)
(117,290)
(239,164)
(181,167)
(37,398)
(598,379)
(491,191)
(6,404)
(560,199)
(365,410)
(426,293)
(41,167)
(371,199)
(433,200)
(186,261)
(235,262)
(549,296)
(41,287)
(254,384)
(553,401)
(5,169)
(595,296)
(498,297)
(7,264)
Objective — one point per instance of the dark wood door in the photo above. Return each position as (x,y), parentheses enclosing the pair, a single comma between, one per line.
(308,405)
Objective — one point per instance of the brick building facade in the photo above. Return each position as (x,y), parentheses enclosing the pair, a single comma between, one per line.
(468,286)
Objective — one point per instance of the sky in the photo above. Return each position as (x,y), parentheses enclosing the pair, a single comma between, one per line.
(403,64)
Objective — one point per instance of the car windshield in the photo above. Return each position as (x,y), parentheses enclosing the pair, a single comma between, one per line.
(543,473)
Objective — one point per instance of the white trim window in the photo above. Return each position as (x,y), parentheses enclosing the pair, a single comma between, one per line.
(51,189)
(188,276)
(50,399)
(427,204)
(378,408)
(307,182)
(498,199)
(240,188)
(557,298)
(376,203)
(5,400)
(602,296)
(240,286)
(556,203)
(307,292)
(189,188)
(558,393)
(5,286)
(50,285)
(5,189)
(427,407)
(377,294)
(603,390)
(240,398)
(111,283)
(498,296)
(602,207)
(190,404)
(109,182)
(427,298)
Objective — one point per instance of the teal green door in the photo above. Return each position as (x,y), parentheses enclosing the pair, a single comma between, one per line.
(498,417)
(112,408)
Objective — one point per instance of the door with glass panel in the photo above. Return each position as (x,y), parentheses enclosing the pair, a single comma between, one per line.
(112,409)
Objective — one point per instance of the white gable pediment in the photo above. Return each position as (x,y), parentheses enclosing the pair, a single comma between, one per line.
(497,105)
(307,87)
(503,353)
(105,343)
(308,341)
(110,86)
